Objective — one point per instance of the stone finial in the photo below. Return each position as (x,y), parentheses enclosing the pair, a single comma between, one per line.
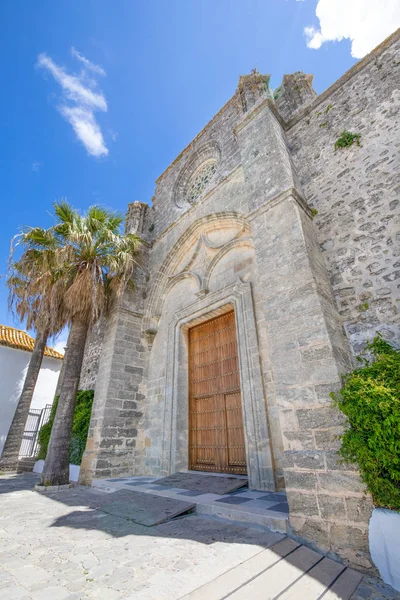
(251,88)
(135,217)
(295,92)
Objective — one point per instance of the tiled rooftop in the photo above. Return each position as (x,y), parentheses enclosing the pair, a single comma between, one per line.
(20,340)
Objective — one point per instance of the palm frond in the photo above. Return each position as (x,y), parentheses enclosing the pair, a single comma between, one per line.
(75,268)
(65,213)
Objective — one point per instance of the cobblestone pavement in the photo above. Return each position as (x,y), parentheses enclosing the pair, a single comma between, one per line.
(54,546)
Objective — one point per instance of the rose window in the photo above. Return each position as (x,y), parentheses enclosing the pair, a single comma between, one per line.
(200,180)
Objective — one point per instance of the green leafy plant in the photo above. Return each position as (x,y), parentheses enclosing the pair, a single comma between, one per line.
(347,139)
(80,427)
(277,92)
(328,108)
(314,212)
(324,124)
(45,431)
(363,307)
(370,398)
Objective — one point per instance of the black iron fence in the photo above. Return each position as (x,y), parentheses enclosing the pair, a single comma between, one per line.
(30,443)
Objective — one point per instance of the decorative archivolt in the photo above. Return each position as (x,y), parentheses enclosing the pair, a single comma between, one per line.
(195,256)
(244,241)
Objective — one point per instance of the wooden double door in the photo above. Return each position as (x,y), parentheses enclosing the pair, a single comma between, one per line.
(216,434)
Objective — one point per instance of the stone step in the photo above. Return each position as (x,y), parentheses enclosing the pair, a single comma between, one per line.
(241,515)
(26,464)
(244,506)
(288,571)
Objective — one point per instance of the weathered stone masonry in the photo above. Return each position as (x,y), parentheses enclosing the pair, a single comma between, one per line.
(231,227)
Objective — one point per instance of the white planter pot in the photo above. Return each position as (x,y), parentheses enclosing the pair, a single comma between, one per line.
(73,470)
(38,467)
(384,544)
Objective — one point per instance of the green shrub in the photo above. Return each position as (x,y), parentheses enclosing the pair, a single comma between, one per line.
(370,398)
(80,427)
(347,139)
(45,431)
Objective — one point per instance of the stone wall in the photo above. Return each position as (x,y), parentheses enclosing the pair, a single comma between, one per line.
(91,359)
(112,447)
(356,190)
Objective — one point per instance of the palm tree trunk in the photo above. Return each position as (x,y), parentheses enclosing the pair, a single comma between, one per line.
(56,466)
(9,457)
(61,375)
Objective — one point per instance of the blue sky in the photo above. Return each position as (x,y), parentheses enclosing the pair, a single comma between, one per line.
(170,65)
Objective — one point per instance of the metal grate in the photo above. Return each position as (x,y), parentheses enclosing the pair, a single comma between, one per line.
(216,435)
(36,418)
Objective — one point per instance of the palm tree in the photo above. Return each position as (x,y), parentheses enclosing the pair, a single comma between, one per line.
(98,264)
(34,297)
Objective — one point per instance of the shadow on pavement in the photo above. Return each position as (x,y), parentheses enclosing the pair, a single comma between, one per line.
(292,570)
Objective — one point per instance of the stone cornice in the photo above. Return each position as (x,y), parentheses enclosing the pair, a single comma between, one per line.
(278,199)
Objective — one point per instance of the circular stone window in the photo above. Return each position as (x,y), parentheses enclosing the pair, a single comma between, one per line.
(197,175)
(200,180)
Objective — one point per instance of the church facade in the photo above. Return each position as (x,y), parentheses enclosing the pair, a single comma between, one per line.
(269,257)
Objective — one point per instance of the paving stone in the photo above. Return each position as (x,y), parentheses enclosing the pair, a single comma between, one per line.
(52,592)
(283,507)
(29,575)
(233,500)
(16,592)
(112,557)
(211,484)
(273,497)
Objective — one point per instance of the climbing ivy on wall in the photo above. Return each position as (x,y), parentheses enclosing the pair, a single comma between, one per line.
(80,427)
(370,398)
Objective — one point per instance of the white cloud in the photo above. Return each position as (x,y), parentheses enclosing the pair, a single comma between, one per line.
(87,63)
(60,346)
(86,129)
(80,99)
(365,22)
(72,85)
(36,166)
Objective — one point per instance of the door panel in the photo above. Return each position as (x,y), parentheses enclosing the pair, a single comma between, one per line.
(216,436)
(235,434)
(204,438)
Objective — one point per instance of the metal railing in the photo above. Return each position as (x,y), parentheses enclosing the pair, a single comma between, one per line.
(30,443)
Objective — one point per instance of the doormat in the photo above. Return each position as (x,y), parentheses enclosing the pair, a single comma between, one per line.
(203,483)
(142,508)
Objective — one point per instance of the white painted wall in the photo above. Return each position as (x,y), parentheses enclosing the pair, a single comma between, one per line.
(13,367)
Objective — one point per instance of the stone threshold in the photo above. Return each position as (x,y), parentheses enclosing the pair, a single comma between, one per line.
(200,473)
(255,508)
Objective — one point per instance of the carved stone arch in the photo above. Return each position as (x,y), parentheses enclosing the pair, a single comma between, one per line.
(224,250)
(190,240)
(179,277)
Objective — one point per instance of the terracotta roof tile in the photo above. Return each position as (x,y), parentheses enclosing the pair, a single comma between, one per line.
(16,338)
